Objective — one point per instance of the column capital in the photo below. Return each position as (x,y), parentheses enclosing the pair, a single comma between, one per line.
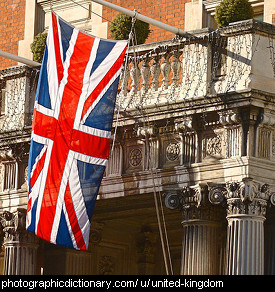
(194,203)
(247,197)
(14,228)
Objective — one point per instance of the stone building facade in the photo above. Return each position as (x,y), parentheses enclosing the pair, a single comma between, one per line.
(190,184)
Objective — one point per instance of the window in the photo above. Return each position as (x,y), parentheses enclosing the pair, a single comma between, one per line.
(258,11)
(10,176)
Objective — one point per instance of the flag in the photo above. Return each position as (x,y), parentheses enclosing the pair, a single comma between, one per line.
(71,132)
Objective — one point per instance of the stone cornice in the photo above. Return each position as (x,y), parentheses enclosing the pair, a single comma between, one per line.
(248,26)
(199,105)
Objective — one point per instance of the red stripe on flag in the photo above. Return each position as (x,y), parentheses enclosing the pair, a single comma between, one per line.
(63,135)
(73,220)
(44,126)
(29,206)
(112,71)
(59,62)
(99,147)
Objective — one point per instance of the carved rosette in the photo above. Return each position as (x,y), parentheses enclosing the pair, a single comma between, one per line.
(172,151)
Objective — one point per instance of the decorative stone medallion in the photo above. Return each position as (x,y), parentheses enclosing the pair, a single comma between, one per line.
(172,151)
(135,157)
(214,145)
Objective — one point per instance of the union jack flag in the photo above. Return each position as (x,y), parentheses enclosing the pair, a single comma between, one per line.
(71,132)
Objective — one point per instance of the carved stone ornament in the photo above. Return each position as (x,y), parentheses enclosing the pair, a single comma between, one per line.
(149,131)
(172,151)
(197,206)
(217,193)
(146,245)
(247,197)
(14,228)
(135,157)
(6,155)
(173,200)
(214,145)
(96,233)
(229,118)
(106,265)
(185,125)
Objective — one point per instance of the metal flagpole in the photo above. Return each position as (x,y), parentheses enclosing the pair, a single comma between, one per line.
(143,18)
(19,59)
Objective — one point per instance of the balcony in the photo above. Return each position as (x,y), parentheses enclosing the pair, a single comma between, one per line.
(195,110)
(191,110)
(211,65)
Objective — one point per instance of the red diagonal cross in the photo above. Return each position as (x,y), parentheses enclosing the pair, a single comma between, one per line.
(65,138)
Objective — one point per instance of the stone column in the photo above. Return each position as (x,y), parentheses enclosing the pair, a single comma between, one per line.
(20,257)
(203,229)
(246,208)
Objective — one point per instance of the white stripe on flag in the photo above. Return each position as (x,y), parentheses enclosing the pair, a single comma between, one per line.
(90,159)
(44,173)
(33,196)
(86,83)
(59,37)
(51,67)
(66,66)
(38,157)
(78,202)
(106,65)
(94,131)
(43,110)
(103,91)
(61,194)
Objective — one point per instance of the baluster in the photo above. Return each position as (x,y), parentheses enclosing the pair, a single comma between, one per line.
(155,71)
(134,73)
(175,66)
(145,74)
(165,70)
(124,81)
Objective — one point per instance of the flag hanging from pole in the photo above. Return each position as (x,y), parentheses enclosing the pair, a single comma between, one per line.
(71,132)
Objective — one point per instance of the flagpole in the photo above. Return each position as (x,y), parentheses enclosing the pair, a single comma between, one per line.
(143,18)
(19,59)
